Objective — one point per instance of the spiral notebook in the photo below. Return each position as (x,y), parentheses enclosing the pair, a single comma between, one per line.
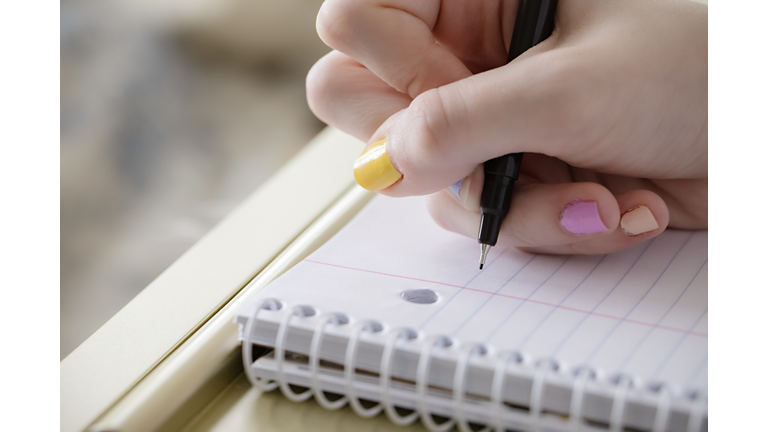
(392,315)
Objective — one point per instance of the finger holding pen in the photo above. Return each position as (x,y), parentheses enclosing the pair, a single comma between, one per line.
(344,93)
(394,39)
(557,218)
(388,52)
(430,141)
(567,98)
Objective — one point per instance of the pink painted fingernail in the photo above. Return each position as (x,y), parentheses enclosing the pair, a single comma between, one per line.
(639,220)
(582,217)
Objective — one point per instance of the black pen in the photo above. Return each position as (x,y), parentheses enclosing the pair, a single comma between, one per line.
(534,23)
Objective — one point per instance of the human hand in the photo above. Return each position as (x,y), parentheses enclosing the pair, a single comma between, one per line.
(611,111)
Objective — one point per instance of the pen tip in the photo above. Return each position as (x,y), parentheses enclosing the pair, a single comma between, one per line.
(483,254)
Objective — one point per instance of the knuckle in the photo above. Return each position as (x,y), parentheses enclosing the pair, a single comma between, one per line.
(406,79)
(413,78)
(427,122)
(320,84)
(335,22)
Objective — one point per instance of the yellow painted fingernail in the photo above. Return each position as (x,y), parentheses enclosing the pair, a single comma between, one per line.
(373,169)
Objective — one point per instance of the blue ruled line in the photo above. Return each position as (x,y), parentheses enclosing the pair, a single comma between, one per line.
(697,371)
(561,302)
(584,318)
(447,302)
(677,346)
(490,296)
(648,333)
(613,329)
(522,302)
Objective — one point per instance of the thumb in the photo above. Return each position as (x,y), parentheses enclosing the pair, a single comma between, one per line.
(446,132)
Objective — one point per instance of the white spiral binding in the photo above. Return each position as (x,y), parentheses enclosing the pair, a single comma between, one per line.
(314,359)
(349,368)
(499,375)
(467,351)
(622,383)
(386,373)
(696,416)
(581,376)
(282,332)
(247,351)
(663,393)
(422,377)
(543,367)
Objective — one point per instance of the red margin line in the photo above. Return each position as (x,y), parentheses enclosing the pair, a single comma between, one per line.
(642,323)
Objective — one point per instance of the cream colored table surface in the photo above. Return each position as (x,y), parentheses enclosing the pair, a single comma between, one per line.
(170,359)
(244,408)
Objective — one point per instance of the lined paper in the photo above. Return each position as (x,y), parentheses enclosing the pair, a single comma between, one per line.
(642,311)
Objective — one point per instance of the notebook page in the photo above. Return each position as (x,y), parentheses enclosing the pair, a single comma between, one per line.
(642,310)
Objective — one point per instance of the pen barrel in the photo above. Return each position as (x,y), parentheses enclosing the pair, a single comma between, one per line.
(500,176)
(534,23)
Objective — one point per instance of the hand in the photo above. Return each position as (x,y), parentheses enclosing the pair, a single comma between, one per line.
(611,111)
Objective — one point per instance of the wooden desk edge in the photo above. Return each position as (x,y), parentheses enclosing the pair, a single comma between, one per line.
(137,339)
(187,381)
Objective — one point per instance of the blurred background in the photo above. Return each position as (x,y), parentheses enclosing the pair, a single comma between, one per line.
(172,112)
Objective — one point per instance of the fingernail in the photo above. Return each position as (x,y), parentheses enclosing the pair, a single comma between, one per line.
(582,217)
(461,188)
(638,221)
(373,169)
(455,188)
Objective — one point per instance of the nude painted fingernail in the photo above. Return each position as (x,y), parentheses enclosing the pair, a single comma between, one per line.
(373,169)
(582,217)
(638,221)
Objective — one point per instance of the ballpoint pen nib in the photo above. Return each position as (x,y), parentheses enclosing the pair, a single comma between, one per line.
(484,248)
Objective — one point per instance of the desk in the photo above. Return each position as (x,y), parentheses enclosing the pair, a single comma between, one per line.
(170,359)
